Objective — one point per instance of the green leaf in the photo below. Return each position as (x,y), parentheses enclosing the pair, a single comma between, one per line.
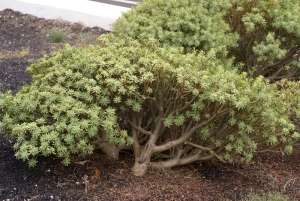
(228,147)
(32,162)
(137,107)
(66,161)
(288,149)
(168,121)
(179,120)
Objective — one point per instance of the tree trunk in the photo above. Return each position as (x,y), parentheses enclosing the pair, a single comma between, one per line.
(143,160)
(111,150)
(140,169)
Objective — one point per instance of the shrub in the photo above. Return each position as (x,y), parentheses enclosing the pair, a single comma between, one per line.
(192,24)
(156,99)
(57,35)
(269,37)
(263,36)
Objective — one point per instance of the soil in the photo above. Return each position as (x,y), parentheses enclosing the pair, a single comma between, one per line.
(24,39)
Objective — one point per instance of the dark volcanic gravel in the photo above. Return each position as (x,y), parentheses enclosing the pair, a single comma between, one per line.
(12,75)
(24,39)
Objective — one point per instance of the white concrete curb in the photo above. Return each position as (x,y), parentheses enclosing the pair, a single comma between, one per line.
(88,13)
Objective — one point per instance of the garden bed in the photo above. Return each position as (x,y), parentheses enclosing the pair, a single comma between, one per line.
(23,40)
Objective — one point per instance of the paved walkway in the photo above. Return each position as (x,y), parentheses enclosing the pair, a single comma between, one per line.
(101,13)
(123,3)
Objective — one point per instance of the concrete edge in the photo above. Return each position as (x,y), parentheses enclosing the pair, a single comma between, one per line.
(107,14)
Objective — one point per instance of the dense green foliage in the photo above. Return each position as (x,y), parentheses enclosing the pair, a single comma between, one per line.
(262,35)
(61,110)
(160,100)
(269,37)
(192,24)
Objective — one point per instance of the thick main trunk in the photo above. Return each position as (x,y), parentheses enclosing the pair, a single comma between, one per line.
(109,149)
(140,169)
(142,160)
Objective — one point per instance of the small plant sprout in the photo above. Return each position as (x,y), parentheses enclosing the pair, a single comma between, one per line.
(2,57)
(57,35)
(23,52)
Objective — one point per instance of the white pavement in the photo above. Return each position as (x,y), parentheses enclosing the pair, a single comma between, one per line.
(89,13)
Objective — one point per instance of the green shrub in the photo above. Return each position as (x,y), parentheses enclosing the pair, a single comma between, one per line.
(155,99)
(262,36)
(57,35)
(192,24)
(269,34)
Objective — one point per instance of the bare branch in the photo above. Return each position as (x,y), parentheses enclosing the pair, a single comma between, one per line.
(186,105)
(188,134)
(158,107)
(181,161)
(213,117)
(167,88)
(199,146)
(139,128)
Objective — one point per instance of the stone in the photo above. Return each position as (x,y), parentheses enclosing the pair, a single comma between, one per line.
(58,21)
(76,27)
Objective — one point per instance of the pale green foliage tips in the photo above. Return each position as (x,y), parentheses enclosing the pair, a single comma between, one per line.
(191,24)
